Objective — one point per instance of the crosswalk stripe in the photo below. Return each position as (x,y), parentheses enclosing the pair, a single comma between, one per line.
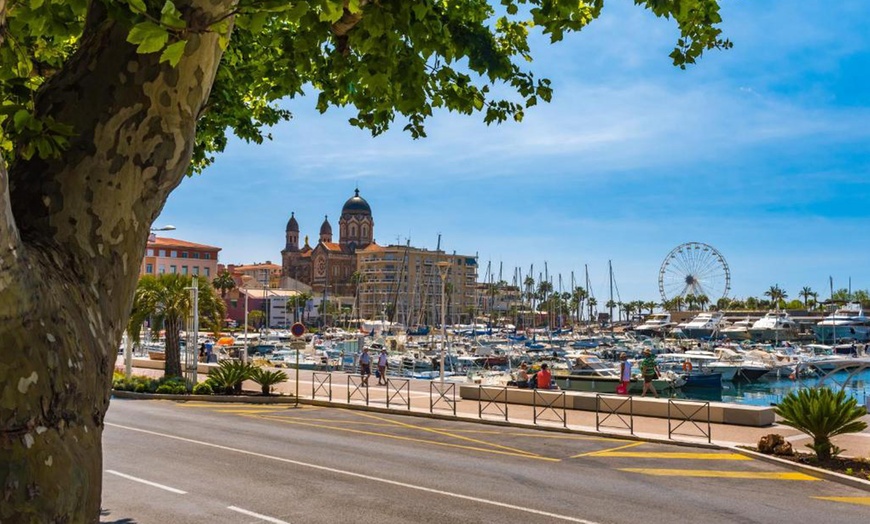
(672,455)
(758,475)
(863,501)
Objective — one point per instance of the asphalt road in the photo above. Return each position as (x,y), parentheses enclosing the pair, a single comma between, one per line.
(196,462)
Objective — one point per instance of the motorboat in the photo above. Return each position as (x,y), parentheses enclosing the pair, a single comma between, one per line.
(738,330)
(775,325)
(655,325)
(694,366)
(704,325)
(590,373)
(847,323)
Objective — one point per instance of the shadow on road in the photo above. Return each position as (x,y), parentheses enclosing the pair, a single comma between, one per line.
(106,519)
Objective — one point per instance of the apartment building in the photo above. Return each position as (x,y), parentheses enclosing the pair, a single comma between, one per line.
(171,255)
(403,283)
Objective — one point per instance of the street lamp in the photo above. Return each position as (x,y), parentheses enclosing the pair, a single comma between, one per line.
(443,270)
(245,351)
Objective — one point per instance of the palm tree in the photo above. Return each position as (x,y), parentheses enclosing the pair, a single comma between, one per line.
(703,300)
(167,297)
(806,292)
(303,298)
(650,306)
(224,282)
(690,300)
(776,294)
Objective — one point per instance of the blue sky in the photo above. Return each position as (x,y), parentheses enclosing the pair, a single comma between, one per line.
(762,151)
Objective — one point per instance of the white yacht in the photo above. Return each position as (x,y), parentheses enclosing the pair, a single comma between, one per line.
(703,325)
(775,325)
(655,325)
(739,330)
(846,323)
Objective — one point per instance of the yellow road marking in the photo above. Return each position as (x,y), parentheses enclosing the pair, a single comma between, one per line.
(606,451)
(863,501)
(672,455)
(448,434)
(536,437)
(762,475)
(298,422)
(234,405)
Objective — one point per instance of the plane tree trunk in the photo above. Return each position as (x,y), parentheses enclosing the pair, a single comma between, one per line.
(72,236)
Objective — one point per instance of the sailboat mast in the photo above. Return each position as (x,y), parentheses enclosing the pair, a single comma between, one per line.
(610,302)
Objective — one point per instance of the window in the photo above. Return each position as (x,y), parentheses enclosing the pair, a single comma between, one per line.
(183,270)
(162,253)
(206,270)
(161,269)
(352,231)
(206,256)
(184,254)
(149,268)
(172,269)
(150,252)
(195,270)
(195,254)
(234,303)
(173,254)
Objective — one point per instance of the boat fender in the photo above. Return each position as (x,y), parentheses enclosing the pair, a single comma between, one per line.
(687,366)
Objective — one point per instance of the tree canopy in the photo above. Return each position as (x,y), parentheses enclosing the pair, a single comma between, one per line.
(387,59)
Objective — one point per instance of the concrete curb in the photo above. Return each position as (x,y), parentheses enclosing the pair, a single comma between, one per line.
(132,395)
(833,476)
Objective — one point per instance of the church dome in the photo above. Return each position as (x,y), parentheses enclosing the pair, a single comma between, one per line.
(356,205)
(326,228)
(292,224)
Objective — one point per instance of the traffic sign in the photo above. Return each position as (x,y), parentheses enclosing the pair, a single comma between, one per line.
(297,329)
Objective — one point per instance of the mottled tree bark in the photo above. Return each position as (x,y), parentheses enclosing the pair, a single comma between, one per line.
(72,236)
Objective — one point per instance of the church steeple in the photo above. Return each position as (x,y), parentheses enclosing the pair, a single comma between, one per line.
(326,230)
(292,233)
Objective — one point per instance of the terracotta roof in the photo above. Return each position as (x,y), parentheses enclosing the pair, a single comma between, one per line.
(306,254)
(370,248)
(332,246)
(273,267)
(173,242)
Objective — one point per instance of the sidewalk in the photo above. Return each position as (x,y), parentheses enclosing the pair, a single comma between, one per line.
(409,395)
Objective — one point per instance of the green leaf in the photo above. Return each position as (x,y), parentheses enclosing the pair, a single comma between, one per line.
(171,17)
(173,53)
(20,119)
(149,36)
(138,5)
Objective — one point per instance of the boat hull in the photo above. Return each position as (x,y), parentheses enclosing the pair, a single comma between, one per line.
(703,380)
(830,333)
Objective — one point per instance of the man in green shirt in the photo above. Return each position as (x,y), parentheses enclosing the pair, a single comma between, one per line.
(649,369)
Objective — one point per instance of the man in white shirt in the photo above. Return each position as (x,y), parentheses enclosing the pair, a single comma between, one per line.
(382,368)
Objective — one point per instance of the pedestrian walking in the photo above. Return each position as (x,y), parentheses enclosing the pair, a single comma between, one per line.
(365,366)
(382,368)
(649,369)
(624,373)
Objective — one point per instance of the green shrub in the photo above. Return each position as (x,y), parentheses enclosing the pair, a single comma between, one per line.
(267,378)
(822,414)
(165,389)
(227,378)
(203,388)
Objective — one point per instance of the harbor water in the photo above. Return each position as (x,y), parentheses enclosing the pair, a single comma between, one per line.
(769,391)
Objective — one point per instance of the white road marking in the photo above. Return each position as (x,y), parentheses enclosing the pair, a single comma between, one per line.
(360,476)
(257,515)
(148,482)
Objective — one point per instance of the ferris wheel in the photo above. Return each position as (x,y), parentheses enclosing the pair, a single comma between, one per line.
(694,268)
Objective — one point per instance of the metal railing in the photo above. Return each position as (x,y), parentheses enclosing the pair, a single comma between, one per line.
(613,407)
(486,399)
(446,395)
(688,415)
(321,382)
(357,389)
(541,405)
(399,392)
